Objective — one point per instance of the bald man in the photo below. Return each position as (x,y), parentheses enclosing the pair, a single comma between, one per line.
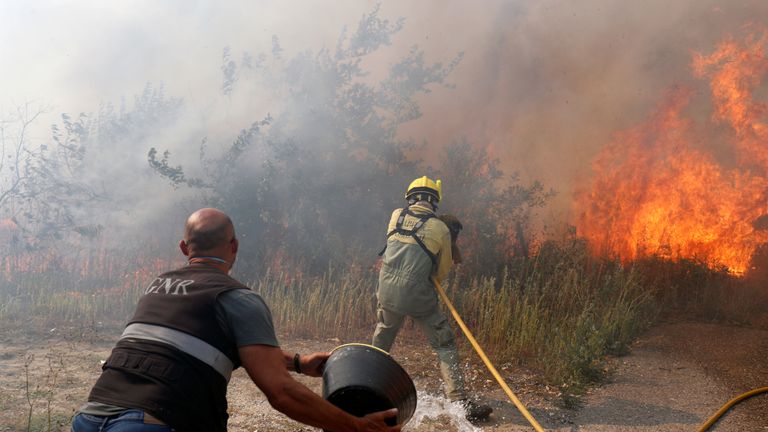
(192,327)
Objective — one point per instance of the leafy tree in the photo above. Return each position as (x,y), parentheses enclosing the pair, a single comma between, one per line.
(314,184)
(65,187)
(39,184)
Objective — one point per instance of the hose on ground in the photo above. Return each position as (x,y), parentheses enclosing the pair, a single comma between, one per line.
(712,420)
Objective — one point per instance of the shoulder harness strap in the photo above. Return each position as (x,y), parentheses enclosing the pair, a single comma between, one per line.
(412,232)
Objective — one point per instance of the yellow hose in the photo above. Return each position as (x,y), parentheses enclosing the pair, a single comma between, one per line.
(487,362)
(712,420)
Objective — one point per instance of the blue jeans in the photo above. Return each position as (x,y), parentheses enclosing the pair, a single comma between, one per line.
(128,421)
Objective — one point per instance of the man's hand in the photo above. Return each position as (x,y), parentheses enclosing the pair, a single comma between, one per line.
(313,364)
(374,422)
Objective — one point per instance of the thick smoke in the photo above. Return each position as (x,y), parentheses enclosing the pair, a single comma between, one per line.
(540,85)
(544,85)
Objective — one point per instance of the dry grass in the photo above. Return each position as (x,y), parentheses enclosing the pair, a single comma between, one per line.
(560,313)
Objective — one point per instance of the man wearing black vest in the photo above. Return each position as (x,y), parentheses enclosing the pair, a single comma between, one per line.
(419,247)
(192,327)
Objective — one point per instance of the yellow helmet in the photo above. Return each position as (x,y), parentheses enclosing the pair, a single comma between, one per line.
(431,189)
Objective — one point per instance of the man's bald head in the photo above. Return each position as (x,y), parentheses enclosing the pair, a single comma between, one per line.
(208,229)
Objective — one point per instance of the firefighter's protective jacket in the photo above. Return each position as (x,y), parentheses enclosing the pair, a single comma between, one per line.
(404,284)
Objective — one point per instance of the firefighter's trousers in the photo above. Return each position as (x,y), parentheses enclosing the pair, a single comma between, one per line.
(440,336)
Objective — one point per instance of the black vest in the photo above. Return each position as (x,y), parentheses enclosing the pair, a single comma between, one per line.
(184,392)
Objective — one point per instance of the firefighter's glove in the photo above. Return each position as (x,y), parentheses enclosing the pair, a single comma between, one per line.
(455,227)
(453,224)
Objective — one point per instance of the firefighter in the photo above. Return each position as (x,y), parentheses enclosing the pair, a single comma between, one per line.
(192,327)
(419,247)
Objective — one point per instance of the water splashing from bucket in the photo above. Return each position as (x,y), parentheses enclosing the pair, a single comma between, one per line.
(437,413)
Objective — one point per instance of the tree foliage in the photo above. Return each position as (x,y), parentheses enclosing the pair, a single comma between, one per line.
(40,188)
(72,182)
(310,184)
(314,183)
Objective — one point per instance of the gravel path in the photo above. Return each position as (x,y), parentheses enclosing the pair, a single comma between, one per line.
(675,378)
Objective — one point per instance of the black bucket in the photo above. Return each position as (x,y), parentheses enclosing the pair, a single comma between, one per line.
(362,379)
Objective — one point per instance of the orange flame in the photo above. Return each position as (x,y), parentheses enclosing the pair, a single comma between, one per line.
(655,192)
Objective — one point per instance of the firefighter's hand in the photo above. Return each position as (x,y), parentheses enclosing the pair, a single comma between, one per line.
(313,364)
(453,224)
(374,422)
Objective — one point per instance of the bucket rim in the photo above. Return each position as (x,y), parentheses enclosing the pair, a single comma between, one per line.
(362,345)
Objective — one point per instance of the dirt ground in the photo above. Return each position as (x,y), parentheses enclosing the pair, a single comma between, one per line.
(676,376)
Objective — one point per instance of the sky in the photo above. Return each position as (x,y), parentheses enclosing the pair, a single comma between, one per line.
(543,85)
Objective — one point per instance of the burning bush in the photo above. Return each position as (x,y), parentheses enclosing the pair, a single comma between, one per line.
(657,190)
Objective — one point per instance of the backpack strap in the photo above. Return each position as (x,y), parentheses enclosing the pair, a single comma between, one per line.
(412,232)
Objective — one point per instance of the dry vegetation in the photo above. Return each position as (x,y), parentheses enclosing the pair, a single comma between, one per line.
(559,313)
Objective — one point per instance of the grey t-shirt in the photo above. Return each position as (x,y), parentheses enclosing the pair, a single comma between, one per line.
(242,314)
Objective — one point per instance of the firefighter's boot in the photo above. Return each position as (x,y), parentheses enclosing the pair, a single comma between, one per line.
(475,411)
